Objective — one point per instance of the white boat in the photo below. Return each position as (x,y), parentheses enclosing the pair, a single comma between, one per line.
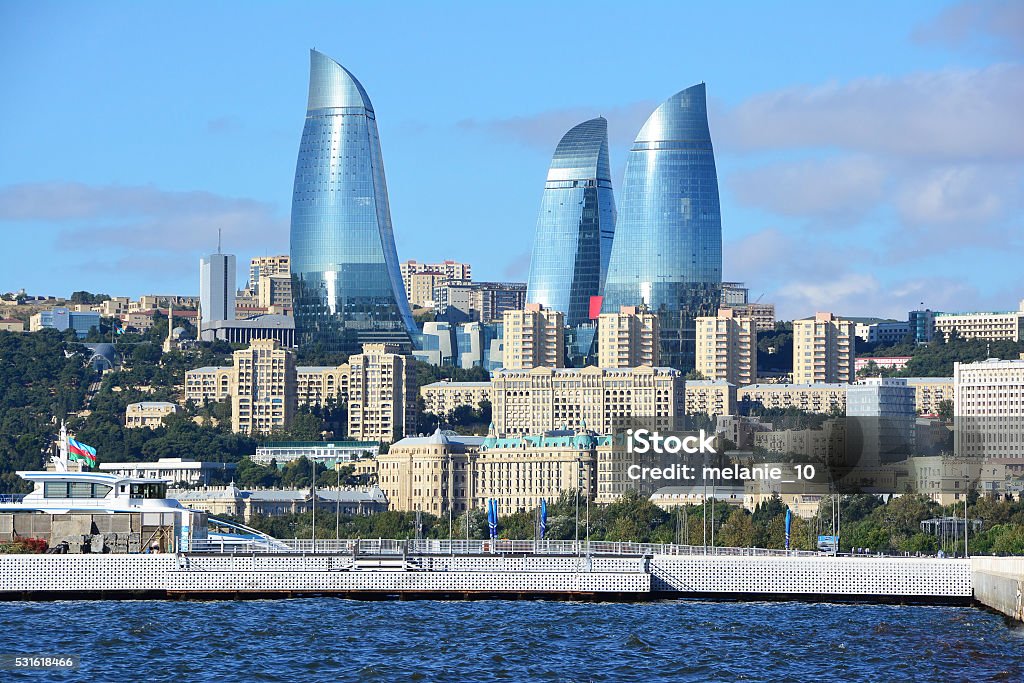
(65,487)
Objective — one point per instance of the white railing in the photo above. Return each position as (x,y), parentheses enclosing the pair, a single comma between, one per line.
(398,547)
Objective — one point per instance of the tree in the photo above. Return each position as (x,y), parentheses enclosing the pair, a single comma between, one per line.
(738,530)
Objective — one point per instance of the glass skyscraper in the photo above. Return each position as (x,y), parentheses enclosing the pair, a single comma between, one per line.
(575,226)
(346,284)
(668,243)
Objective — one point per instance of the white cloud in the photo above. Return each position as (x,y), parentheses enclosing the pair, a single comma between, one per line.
(994,25)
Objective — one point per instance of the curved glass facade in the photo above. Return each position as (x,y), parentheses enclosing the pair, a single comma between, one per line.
(575,226)
(668,245)
(346,284)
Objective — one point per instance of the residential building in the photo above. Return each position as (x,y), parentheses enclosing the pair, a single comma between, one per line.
(825,445)
(421,287)
(267,266)
(602,399)
(575,225)
(322,385)
(667,251)
(217,278)
(280,328)
(275,291)
(330,453)
(813,398)
(455,301)
(11,325)
(447,269)
(347,285)
(741,430)
(263,397)
(628,339)
(988,405)
(763,315)
(492,299)
(174,470)
(987,325)
(727,348)
(442,398)
(929,392)
(149,414)
(381,394)
(61,318)
(824,348)
(534,337)
(209,384)
(710,397)
(114,307)
(946,479)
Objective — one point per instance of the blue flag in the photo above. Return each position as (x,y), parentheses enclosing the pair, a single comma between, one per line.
(493,517)
(543,517)
(789,522)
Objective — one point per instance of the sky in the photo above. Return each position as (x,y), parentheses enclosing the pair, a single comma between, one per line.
(870,157)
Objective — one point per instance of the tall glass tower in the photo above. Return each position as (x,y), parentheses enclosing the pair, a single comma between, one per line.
(668,244)
(575,226)
(346,285)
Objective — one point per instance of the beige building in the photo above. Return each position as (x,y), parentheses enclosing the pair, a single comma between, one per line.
(534,338)
(11,325)
(727,348)
(601,399)
(209,383)
(268,266)
(628,339)
(114,306)
(990,325)
(275,291)
(445,471)
(989,407)
(763,315)
(929,392)
(420,287)
(813,398)
(149,414)
(823,350)
(827,444)
(442,398)
(263,399)
(318,385)
(448,270)
(945,479)
(710,397)
(381,394)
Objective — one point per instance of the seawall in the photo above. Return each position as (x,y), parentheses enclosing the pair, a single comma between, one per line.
(999,584)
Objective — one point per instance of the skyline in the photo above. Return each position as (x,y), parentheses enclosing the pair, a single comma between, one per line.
(859,177)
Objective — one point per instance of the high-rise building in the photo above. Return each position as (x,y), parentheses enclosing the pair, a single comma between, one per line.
(667,251)
(381,394)
(763,315)
(883,411)
(727,348)
(534,338)
(734,294)
(575,226)
(267,266)
(217,287)
(492,299)
(628,339)
(263,398)
(988,405)
(346,283)
(823,350)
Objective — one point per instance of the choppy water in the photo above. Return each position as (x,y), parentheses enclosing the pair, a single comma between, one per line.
(341,640)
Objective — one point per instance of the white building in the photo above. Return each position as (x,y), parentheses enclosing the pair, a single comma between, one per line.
(174,470)
(217,287)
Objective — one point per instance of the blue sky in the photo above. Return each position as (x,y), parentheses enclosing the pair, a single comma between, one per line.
(869,158)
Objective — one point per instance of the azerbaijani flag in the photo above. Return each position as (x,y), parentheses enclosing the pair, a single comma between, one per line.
(79,451)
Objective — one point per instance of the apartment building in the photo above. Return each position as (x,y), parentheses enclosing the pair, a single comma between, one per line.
(929,392)
(149,414)
(727,347)
(710,397)
(263,399)
(986,325)
(628,339)
(814,398)
(442,398)
(381,394)
(534,338)
(823,350)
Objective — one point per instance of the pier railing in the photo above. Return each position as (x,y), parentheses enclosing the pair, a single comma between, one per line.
(403,547)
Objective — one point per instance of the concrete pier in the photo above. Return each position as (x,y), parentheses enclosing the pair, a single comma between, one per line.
(999,584)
